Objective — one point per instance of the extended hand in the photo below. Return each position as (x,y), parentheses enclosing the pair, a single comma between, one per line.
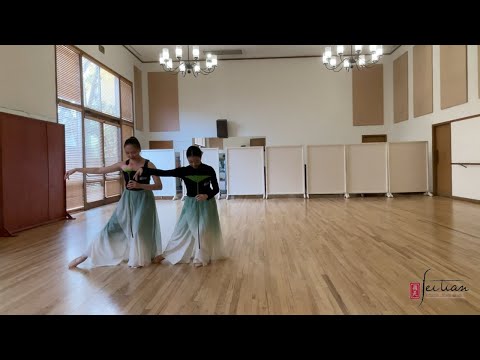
(68,173)
(138,174)
(134,185)
(201,197)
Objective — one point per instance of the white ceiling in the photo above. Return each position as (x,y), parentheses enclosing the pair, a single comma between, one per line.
(150,53)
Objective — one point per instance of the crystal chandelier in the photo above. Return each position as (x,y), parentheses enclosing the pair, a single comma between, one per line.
(354,59)
(188,66)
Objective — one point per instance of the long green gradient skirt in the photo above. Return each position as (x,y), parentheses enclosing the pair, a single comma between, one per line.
(196,218)
(132,234)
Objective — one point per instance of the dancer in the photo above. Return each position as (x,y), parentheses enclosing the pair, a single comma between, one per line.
(197,236)
(133,232)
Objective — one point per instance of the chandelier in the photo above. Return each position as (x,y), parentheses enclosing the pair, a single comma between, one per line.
(190,66)
(355,59)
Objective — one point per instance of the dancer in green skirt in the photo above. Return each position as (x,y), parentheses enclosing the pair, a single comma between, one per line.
(133,232)
(197,236)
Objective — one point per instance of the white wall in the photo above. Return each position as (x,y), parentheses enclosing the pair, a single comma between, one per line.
(27,81)
(288,101)
(420,128)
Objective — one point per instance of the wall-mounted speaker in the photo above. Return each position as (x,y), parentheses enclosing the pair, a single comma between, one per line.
(222,129)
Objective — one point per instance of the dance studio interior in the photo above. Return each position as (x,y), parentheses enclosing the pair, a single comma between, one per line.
(239,179)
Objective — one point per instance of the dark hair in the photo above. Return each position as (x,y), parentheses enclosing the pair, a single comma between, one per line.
(194,151)
(133,141)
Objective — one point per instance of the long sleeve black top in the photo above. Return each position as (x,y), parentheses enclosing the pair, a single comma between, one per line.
(207,186)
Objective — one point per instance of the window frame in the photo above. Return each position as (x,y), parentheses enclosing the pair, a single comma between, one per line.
(95,115)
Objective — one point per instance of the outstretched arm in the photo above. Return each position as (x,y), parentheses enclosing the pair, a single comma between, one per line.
(156,186)
(101,170)
(178,172)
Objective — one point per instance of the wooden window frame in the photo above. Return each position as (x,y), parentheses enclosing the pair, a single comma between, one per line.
(95,115)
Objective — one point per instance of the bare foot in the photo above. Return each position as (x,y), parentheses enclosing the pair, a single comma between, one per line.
(74,263)
(198,264)
(158,259)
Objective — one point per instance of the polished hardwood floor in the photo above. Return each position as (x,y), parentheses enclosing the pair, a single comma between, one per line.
(285,256)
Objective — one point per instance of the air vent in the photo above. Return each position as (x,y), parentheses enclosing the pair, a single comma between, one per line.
(224,52)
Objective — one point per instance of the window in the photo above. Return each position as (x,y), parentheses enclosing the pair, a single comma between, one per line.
(127,131)
(96,107)
(127,101)
(68,75)
(93,159)
(100,89)
(72,119)
(112,150)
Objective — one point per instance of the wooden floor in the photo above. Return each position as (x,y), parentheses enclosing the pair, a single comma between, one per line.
(285,256)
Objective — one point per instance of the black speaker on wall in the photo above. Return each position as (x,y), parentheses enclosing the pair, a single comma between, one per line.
(222,129)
